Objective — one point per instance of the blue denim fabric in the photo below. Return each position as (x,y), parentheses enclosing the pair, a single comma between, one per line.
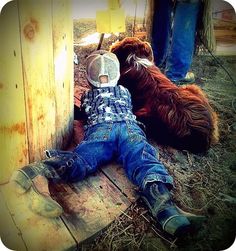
(161,31)
(175,48)
(123,141)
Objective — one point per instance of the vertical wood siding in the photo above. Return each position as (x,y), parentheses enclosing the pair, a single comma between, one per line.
(36,80)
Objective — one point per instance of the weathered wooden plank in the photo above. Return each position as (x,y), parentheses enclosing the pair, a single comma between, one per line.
(62,28)
(10,234)
(38,233)
(140,34)
(116,174)
(90,205)
(38,69)
(222,33)
(224,24)
(13,138)
(225,49)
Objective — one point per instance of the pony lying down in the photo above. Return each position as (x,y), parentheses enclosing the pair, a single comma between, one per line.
(179,116)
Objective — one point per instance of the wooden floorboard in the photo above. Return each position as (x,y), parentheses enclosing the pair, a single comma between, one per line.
(115,172)
(10,234)
(36,233)
(90,206)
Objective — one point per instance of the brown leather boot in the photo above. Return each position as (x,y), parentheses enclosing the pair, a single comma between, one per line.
(30,181)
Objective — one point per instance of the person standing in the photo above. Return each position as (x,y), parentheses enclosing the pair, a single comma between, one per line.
(173,37)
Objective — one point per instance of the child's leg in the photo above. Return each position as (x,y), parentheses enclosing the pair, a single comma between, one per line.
(96,149)
(140,158)
(145,170)
(63,166)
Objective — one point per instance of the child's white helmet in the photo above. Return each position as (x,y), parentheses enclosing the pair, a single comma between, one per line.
(102,63)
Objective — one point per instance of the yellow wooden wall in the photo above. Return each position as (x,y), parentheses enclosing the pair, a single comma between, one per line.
(36,80)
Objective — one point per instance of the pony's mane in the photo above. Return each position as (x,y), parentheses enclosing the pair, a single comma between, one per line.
(178,115)
(148,77)
(162,94)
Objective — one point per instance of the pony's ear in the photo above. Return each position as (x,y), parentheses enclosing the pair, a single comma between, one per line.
(143,49)
(132,45)
(120,45)
(149,51)
(124,48)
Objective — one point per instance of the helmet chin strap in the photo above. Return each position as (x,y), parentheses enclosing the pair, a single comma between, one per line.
(103,78)
(104,82)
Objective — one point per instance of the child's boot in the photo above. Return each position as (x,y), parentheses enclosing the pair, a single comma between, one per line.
(30,180)
(158,199)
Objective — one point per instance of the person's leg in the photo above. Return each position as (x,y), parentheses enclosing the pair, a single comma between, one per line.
(64,166)
(139,158)
(96,149)
(146,171)
(181,51)
(161,30)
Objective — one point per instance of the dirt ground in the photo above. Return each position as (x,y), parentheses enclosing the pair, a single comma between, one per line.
(204,184)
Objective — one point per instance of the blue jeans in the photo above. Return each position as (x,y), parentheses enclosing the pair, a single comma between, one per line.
(124,141)
(173,48)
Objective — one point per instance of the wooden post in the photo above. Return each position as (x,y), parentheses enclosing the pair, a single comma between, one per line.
(62,28)
(13,124)
(36,80)
(149,19)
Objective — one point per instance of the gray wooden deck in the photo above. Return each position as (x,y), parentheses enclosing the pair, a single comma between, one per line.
(89,207)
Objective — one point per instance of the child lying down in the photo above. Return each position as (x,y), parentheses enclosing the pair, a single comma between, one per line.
(111,132)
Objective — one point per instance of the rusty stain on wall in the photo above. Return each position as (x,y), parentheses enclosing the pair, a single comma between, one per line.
(1,85)
(18,127)
(31,28)
(25,152)
(41,117)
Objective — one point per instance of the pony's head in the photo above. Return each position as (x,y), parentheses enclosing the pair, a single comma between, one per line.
(132,47)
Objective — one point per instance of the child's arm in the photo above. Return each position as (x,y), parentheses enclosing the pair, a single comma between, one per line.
(79,113)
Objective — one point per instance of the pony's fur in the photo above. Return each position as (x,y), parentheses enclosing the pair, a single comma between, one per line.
(177,116)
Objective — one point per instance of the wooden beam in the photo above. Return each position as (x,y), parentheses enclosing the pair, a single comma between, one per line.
(62,30)
(38,69)
(227,36)
(13,132)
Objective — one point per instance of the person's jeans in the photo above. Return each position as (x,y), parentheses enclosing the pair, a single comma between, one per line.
(173,48)
(123,141)
(161,31)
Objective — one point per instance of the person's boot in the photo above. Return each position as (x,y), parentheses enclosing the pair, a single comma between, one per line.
(188,79)
(30,180)
(157,197)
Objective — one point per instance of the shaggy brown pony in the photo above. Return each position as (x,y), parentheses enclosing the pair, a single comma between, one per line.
(178,116)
